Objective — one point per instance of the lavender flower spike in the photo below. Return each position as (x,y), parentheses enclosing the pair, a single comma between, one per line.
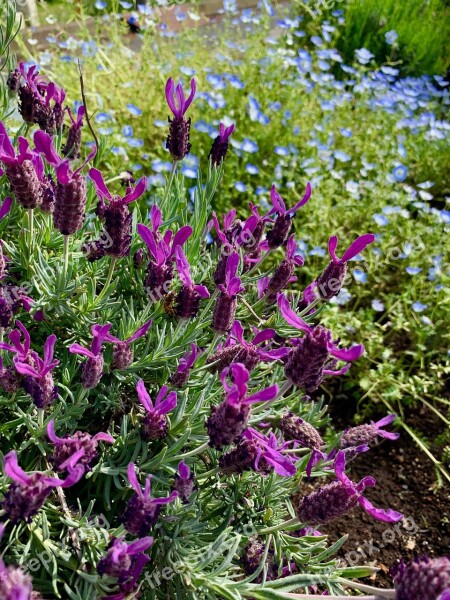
(122,352)
(367,433)
(284,272)
(258,453)
(162,250)
(122,558)
(219,147)
(329,283)
(226,305)
(70,194)
(188,298)
(93,367)
(116,214)
(15,584)
(307,363)
(179,131)
(142,511)
(78,449)
(283,223)
(154,424)
(72,147)
(237,350)
(338,498)
(38,380)
(20,171)
(184,482)
(230,418)
(28,492)
(180,378)
(425,578)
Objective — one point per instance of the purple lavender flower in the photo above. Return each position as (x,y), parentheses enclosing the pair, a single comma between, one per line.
(329,283)
(38,378)
(188,298)
(219,147)
(28,492)
(30,93)
(122,352)
(308,297)
(180,378)
(258,453)
(72,147)
(296,429)
(226,305)
(154,424)
(184,482)
(70,192)
(47,184)
(142,511)
(178,142)
(284,272)
(78,449)
(229,419)
(162,251)
(306,363)
(425,578)
(116,214)
(93,367)
(283,223)
(228,234)
(20,349)
(124,561)
(14,80)
(338,498)
(367,433)
(237,350)
(252,231)
(50,117)
(15,584)
(20,170)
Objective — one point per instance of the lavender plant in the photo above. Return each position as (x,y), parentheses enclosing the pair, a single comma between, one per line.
(192,495)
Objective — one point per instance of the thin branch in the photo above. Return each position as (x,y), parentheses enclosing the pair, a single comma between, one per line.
(83,96)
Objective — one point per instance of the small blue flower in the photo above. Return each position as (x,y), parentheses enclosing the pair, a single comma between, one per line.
(413,270)
(127,130)
(377,305)
(252,169)
(419,307)
(360,276)
(380,219)
(342,156)
(391,37)
(317,251)
(189,171)
(281,150)
(134,110)
(240,186)
(346,132)
(100,4)
(135,142)
(400,173)
(363,56)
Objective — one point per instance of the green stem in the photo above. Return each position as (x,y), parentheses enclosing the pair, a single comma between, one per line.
(213,345)
(170,181)
(260,263)
(284,526)
(108,278)
(198,450)
(66,258)
(313,304)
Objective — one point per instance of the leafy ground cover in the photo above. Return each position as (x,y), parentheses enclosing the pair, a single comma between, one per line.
(374,149)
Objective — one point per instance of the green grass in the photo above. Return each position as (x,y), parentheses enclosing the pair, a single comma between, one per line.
(423,28)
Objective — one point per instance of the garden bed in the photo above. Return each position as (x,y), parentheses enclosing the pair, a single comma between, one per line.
(408,481)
